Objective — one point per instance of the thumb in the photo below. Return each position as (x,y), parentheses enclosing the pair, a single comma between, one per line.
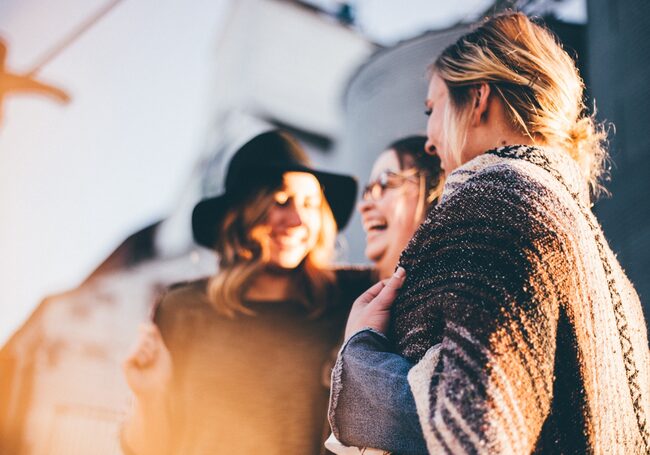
(397,280)
(387,295)
(151,330)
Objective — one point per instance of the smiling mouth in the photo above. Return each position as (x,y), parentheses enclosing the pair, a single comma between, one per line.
(289,242)
(375,226)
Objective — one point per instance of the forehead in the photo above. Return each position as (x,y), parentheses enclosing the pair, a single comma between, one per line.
(437,88)
(300,183)
(387,161)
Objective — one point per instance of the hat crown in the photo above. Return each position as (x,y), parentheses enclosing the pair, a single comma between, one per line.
(270,151)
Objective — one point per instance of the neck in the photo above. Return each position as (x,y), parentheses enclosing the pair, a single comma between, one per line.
(493,131)
(507,136)
(271,284)
(499,138)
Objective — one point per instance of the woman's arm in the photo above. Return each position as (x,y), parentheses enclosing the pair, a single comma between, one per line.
(486,389)
(370,402)
(492,267)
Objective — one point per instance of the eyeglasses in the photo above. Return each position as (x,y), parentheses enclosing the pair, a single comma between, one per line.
(375,190)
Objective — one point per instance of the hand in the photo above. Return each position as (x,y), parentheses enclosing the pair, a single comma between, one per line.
(148,367)
(372,308)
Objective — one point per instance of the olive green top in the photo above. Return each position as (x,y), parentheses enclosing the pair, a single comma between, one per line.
(252,384)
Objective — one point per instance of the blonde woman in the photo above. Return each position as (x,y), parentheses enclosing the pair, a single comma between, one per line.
(514,323)
(234,363)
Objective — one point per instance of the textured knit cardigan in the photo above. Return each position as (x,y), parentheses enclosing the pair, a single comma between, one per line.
(527,334)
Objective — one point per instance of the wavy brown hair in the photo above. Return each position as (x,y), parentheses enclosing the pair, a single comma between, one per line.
(242,255)
(536,80)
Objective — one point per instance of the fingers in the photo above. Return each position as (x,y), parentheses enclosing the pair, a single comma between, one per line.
(146,347)
(372,308)
(388,293)
(149,328)
(397,280)
(370,294)
(144,357)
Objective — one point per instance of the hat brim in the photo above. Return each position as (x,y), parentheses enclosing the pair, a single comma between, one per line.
(340,192)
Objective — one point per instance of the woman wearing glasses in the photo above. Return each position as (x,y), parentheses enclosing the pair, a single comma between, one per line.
(404,182)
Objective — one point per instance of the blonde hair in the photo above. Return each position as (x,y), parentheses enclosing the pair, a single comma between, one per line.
(536,80)
(243,254)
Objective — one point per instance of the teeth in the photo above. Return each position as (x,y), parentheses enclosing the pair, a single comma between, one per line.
(289,241)
(375,225)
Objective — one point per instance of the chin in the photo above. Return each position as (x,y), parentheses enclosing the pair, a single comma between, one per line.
(375,254)
(289,262)
(372,256)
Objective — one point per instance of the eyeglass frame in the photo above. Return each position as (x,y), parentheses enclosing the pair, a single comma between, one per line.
(374,191)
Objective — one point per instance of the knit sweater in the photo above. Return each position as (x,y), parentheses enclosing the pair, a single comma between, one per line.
(528,335)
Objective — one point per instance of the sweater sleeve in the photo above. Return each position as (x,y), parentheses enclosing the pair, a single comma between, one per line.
(490,266)
(370,401)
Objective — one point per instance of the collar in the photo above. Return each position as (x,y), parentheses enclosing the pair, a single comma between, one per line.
(556,162)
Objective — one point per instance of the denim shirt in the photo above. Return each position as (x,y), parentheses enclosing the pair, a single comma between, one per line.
(371,404)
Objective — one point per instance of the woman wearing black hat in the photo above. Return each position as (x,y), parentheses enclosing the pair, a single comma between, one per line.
(234,363)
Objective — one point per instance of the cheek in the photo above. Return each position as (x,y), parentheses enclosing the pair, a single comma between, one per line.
(407,216)
(272,217)
(387,207)
(403,217)
(314,225)
(262,234)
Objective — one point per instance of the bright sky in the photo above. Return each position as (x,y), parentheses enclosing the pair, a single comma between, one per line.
(389,21)
(77,179)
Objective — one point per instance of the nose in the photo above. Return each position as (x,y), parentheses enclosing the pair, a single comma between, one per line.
(365,205)
(293,217)
(429,148)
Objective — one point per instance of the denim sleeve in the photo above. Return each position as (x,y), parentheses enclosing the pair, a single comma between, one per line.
(371,404)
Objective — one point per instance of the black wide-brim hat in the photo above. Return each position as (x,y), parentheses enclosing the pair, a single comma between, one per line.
(259,163)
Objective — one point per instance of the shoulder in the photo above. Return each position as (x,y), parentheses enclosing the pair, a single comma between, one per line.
(521,178)
(181,300)
(506,176)
(185,289)
(496,206)
(499,193)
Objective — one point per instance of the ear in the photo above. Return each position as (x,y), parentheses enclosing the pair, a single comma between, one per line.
(481,98)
